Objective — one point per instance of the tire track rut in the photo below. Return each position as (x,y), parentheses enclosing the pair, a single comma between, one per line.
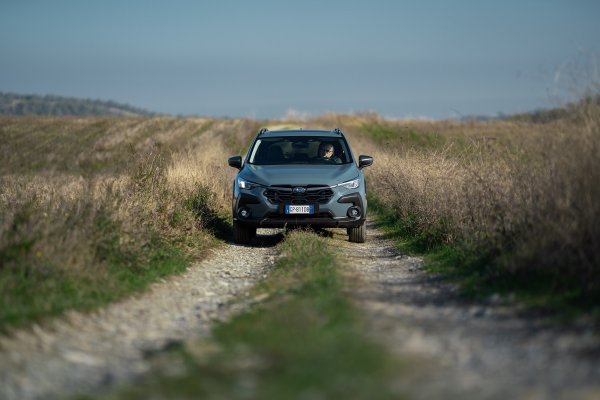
(455,349)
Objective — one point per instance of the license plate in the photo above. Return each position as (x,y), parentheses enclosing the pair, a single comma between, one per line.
(308,209)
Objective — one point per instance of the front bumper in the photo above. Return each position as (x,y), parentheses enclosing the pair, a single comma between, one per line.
(320,222)
(264,214)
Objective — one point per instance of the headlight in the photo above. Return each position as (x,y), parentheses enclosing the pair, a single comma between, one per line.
(244,184)
(353,184)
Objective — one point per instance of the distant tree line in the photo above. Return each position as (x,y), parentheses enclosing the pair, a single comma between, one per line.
(569,111)
(17,104)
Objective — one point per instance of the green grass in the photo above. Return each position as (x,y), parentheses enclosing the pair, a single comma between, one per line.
(33,295)
(385,134)
(304,341)
(482,272)
(405,230)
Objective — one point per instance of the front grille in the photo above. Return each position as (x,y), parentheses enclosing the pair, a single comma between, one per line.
(314,194)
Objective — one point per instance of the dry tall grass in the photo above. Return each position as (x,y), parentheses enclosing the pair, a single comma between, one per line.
(523,196)
(81,196)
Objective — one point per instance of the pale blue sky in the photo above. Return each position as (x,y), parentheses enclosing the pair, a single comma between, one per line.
(261,58)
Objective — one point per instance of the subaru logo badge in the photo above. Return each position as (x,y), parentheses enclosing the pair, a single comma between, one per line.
(298,190)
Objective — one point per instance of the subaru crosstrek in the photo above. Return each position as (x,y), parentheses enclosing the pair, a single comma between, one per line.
(293,178)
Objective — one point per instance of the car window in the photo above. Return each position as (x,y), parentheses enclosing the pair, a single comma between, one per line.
(300,150)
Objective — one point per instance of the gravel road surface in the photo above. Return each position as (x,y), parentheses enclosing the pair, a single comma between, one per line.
(460,350)
(451,348)
(84,353)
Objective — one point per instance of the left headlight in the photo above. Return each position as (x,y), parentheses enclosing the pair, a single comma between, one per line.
(353,184)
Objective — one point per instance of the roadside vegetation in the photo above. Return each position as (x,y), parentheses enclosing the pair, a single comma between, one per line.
(302,338)
(93,209)
(508,207)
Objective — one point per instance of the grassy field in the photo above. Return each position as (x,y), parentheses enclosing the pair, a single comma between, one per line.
(92,209)
(509,207)
(304,339)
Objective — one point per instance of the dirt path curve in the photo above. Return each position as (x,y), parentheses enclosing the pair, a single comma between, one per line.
(86,352)
(461,350)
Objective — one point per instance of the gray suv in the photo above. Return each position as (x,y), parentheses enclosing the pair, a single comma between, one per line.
(293,178)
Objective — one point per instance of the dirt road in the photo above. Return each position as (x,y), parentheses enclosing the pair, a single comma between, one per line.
(85,353)
(451,348)
(456,349)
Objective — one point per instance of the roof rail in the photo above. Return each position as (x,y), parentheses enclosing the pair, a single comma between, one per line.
(262,130)
(338,131)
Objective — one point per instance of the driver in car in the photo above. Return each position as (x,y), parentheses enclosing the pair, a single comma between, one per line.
(327,153)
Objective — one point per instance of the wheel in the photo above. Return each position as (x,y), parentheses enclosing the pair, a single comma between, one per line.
(242,234)
(358,234)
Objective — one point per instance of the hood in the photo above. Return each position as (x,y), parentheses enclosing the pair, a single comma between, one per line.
(299,174)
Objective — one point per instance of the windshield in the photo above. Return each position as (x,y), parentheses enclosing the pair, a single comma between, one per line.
(300,150)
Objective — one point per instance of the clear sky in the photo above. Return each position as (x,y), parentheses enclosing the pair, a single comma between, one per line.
(439,59)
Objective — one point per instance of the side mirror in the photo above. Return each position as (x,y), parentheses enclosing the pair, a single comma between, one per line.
(364,161)
(235,162)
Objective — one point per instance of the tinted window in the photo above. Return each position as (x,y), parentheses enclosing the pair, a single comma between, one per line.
(300,150)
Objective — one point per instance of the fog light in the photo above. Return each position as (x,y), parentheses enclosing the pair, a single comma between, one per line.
(354,212)
(244,212)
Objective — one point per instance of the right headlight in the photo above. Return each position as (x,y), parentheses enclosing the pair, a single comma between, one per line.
(244,184)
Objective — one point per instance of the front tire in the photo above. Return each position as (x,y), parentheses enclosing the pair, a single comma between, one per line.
(242,234)
(357,234)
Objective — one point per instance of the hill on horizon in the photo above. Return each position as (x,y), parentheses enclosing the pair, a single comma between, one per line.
(52,105)
(32,104)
